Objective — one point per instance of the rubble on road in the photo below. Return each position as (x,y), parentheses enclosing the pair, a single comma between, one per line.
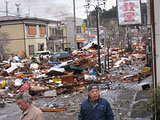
(49,79)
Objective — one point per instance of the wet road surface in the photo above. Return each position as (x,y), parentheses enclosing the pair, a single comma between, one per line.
(122,97)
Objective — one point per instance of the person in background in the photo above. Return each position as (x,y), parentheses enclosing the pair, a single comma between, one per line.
(95,107)
(29,111)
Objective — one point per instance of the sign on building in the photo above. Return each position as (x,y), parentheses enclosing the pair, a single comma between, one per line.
(84,27)
(129,12)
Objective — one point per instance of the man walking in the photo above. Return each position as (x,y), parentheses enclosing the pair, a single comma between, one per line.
(95,107)
(29,111)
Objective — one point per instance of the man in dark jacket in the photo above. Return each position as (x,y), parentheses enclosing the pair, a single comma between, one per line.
(95,107)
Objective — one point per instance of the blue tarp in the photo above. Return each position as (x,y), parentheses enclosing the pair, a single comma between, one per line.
(25,79)
(59,64)
(54,63)
(78,68)
(92,71)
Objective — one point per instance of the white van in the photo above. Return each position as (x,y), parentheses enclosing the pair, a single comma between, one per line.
(44,54)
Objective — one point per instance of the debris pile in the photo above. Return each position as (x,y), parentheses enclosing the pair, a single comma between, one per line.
(49,79)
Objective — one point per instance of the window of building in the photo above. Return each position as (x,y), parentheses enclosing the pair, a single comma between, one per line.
(53,31)
(32,30)
(78,29)
(31,49)
(40,46)
(42,30)
(60,32)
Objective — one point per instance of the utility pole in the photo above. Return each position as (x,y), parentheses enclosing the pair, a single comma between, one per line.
(6,8)
(127,38)
(35,15)
(18,11)
(90,20)
(28,11)
(75,30)
(105,50)
(62,39)
(108,53)
(97,21)
(1,50)
(87,21)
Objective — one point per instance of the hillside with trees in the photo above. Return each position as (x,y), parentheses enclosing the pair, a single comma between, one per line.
(112,14)
(109,19)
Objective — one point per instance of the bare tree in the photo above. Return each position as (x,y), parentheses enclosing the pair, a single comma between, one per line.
(3,43)
(116,33)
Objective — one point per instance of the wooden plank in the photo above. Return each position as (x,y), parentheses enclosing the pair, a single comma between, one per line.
(53,109)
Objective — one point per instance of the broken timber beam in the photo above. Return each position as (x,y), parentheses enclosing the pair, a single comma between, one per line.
(53,109)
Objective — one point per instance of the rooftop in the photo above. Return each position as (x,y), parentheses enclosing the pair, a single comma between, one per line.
(15,18)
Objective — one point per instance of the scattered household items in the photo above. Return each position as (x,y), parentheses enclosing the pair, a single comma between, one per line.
(49,75)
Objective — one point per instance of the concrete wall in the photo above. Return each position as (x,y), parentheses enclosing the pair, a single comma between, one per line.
(70,30)
(157,33)
(148,12)
(34,40)
(14,31)
(20,40)
(16,37)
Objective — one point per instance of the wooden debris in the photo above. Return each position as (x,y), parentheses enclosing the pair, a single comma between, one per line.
(53,109)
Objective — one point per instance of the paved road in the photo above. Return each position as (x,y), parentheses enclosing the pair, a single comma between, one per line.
(125,99)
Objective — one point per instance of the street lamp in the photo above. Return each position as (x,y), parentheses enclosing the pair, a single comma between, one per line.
(103,2)
(88,2)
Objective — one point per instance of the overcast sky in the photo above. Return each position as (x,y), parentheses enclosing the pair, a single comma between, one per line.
(53,9)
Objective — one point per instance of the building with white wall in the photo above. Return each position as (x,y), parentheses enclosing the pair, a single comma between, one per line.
(156,4)
(71,40)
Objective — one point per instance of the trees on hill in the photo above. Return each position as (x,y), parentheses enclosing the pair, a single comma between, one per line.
(109,19)
(112,14)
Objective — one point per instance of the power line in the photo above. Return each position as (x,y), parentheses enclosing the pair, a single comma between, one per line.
(3,11)
(64,14)
(59,12)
